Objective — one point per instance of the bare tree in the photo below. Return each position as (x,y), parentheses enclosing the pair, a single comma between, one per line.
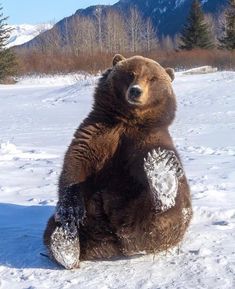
(213,24)
(89,35)
(150,36)
(135,28)
(115,35)
(82,35)
(167,44)
(52,42)
(66,31)
(177,41)
(99,19)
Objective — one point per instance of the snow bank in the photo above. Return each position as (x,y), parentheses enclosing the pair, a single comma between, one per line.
(8,148)
(56,79)
(200,70)
(9,151)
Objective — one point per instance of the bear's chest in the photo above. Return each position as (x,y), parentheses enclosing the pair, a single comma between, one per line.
(124,174)
(125,187)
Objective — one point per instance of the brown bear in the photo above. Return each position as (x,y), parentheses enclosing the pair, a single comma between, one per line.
(122,190)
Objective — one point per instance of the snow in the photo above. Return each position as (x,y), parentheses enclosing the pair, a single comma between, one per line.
(181,2)
(23,33)
(56,80)
(37,121)
(200,70)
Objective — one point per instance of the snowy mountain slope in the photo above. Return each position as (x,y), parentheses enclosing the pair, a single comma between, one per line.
(37,122)
(25,32)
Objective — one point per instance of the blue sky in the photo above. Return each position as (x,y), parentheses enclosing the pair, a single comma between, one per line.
(34,11)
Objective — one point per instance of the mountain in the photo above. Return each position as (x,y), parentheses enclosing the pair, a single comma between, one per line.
(168,16)
(25,32)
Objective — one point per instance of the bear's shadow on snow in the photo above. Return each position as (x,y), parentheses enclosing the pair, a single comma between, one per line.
(21,229)
(21,243)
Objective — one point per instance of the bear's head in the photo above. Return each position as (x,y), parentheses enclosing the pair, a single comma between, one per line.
(136,90)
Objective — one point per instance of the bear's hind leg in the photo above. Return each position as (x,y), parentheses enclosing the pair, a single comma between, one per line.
(63,248)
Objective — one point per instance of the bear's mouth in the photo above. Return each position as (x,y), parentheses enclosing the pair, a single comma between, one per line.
(133,102)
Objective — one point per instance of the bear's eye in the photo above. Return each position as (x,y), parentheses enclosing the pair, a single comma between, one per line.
(131,74)
(154,78)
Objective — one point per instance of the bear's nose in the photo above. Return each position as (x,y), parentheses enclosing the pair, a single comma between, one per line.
(135,92)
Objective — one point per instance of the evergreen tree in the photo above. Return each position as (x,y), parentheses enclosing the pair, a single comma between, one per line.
(196,32)
(7,58)
(228,39)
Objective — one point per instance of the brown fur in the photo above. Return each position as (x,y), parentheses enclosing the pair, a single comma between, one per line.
(106,156)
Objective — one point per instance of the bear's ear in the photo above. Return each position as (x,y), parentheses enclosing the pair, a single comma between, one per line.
(171,73)
(117,58)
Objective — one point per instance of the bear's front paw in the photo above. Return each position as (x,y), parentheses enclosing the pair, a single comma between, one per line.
(64,250)
(163,171)
(70,211)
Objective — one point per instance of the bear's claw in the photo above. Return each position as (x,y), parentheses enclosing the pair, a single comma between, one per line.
(163,171)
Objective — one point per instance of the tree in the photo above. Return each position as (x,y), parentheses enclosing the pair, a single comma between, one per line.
(150,36)
(167,44)
(99,18)
(7,58)
(213,22)
(115,34)
(227,41)
(82,36)
(196,32)
(135,28)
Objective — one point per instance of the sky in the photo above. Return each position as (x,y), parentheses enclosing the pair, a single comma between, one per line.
(44,11)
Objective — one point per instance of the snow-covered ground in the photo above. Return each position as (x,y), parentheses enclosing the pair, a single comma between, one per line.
(37,120)
(25,32)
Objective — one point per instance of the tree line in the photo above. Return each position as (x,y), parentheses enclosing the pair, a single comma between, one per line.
(106,32)
(112,31)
